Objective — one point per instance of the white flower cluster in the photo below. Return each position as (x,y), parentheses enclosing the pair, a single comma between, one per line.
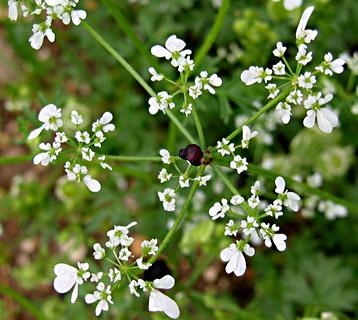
(51,117)
(68,277)
(180,58)
(251,226)
(54,9)
(303,83)
(169,194)
(225,147)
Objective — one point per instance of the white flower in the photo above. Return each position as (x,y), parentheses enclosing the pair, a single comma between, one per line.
(295,97)
(279,69)
(143,265)
(13,4)
(133,288)
(289,199)
(149,247)
(162,101)
(103,123)
(206,83)
(240,164)
(302,56)
(83,137)
(315,180)
(77,16)
(234,255)
(273,91)
(247,135)
(160,302)
(203,180)
(290,4)
(60,137)
(278,239)
(51,153)
(40,31)
(255,189)
(231,229)
(186,108)
(328,66)
(155,75)
(124,254)
(79,173)
(164,175)
(120,231)
(102,294)
(218,210)
(306,80)
(87,154)
(166,158)
(352,61)
(68,277)
(113,243)
(280,50)
(76,118)
(237,200)
(99,139)
(99,253)
(225,147)
(53,2)
(249,225)
(168,199)
(184,182)
(275,209)
(252,75)
(50,116)
(332,210)
(173,50)
(195,91)
(253,201)
(104,164)
(303,35)
(284,110)
(114,275)
(186,64)
(326,118)
(96,277)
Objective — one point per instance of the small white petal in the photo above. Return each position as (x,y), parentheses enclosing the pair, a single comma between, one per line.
(167,282)
(280,185)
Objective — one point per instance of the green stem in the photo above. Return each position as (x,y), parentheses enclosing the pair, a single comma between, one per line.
(19,159)
(128,30)
(225,179)
(180,217)
(350,83)
(267,107)
(184,131)
(119,58)
(210,39)
(134,158)
(23,301)
(136,76)
(199,128)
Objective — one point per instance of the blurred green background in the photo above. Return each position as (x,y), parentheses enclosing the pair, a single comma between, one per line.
(46,219)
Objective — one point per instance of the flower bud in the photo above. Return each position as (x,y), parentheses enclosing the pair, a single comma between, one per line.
(192,153)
